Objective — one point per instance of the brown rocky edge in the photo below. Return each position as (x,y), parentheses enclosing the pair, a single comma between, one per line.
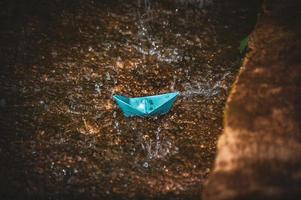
(259,152)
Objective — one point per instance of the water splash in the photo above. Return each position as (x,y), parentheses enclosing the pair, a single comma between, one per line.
(196,3)
(146,3)
(151,46)
(158,148)
(200,89)
(168,55)
(207,89)
(116,124)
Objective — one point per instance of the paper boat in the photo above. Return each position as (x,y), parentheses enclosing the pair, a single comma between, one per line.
(146,106)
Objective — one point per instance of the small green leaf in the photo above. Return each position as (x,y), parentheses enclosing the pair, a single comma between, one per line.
(244,44)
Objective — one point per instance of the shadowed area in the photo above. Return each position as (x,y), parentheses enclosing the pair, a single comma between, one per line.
(259,152)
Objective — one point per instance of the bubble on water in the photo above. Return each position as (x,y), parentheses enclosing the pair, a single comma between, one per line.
(97,87)
(54,54)
(116,126)
(145,165)
(52,165)
(108,76)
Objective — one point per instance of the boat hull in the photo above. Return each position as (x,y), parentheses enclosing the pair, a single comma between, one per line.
(146,106)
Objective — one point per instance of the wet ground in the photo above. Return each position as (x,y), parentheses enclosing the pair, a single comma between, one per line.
(62,135)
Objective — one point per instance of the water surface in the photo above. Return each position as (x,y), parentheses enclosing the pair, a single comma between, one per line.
(63,135)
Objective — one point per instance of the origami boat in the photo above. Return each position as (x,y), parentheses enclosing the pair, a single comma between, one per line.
(146,106)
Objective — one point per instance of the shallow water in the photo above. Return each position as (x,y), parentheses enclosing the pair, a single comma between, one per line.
(64,136)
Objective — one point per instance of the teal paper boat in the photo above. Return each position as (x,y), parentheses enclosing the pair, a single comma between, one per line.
(146,106)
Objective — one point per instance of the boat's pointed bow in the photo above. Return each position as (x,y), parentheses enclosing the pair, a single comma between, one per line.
(176,93)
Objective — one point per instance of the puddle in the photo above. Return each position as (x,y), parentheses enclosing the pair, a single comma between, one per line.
(64,134)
